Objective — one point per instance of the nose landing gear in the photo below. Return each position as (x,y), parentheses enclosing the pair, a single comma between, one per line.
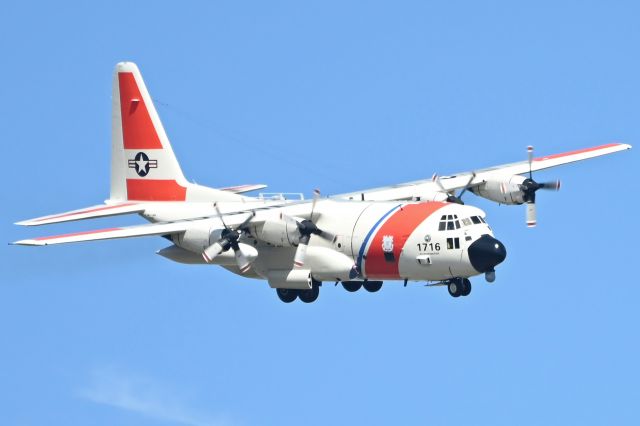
(459,287)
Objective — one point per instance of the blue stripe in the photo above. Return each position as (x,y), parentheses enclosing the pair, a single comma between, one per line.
(366,239)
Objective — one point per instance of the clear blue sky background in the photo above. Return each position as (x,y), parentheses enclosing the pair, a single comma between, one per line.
(375,93)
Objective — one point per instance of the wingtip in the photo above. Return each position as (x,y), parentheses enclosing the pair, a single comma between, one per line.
(622,145)
(27,243)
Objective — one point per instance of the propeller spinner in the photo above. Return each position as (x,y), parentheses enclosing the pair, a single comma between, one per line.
(306,228)
(229,240)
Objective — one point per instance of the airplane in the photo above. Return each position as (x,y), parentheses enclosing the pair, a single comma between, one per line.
(418,231)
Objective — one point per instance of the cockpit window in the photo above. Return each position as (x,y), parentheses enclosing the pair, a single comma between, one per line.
(466,221)
(449,222)
(476,219)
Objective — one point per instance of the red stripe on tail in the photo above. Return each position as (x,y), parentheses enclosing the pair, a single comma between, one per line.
(138,131)
(155,190)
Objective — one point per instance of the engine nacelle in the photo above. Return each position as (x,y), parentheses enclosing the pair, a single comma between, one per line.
(197,238)
(505,190)
(329,265)
(279,233)
(295,279)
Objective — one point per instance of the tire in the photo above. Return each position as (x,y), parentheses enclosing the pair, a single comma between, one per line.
(309,296)
(466,287)
(372,286)
(287,295)
(454,288)
(351,286)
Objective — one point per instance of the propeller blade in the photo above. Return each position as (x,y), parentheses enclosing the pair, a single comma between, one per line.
(531,214)
(301,251)
(214,250)
(247,220)
(451,197)
(473,176)
(316,195)
(241,260)
(530,154)
(215,205)
(327,236)
(550,186)
(435,178)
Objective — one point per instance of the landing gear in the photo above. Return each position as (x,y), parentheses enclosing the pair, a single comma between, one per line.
(288,295)
(466,287)
(459,287)
(372,286)
(352,285)
(309,296)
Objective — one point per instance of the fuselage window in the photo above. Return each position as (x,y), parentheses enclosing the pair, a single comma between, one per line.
(453,243)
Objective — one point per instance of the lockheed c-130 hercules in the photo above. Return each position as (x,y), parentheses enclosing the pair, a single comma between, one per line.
(416,231)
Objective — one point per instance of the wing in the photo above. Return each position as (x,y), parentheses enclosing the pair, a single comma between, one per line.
(109,234)
(427,188)
(161,228)
(86,213)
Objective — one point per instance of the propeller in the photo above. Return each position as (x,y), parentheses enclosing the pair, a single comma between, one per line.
(452,198)
(529,188)
(306,228)
(229,240)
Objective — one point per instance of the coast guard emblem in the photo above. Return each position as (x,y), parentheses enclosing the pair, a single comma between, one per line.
(387,248)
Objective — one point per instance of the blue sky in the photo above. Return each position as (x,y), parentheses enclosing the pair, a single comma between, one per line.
(374,93)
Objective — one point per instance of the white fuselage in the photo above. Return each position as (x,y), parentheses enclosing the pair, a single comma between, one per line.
(385,240)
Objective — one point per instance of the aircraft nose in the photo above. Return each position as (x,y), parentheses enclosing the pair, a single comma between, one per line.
(485,253)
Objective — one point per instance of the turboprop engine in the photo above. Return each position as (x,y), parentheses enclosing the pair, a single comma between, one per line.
(516,189)
(280,233)
(507,190)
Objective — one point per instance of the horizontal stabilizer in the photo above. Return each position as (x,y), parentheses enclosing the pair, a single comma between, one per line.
(109,234)
(241,189)
(102,210)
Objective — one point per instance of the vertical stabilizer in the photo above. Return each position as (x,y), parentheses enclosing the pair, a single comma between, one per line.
(143,165)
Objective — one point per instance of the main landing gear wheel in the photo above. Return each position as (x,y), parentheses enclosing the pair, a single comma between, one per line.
(455,288)
(309,296)
(287,295)
(466,287)
(372,286)
(459,287)
(351,286)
